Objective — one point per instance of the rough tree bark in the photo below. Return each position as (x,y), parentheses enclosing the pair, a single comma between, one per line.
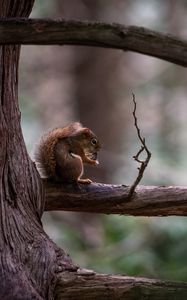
(85,284)
(107,287)
(114,199)
(128,38)
(31,265)
(29,259)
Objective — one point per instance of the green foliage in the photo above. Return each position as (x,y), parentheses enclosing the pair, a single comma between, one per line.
(154,247)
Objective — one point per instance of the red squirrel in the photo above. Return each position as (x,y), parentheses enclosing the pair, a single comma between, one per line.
(62,152)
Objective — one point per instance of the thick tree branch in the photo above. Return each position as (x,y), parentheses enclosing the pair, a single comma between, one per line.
(131,38)
(101,286)
(114,199)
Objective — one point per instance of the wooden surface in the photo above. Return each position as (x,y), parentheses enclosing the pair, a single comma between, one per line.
(63,32)
(113,199)
(28,257)
(89,286)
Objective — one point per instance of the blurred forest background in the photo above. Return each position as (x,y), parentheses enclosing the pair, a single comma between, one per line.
(92,85)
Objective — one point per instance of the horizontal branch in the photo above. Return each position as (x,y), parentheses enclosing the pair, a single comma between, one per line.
(128,38)
(101,286)
(114,199)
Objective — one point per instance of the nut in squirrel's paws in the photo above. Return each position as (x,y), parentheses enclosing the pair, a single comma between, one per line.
(92,158)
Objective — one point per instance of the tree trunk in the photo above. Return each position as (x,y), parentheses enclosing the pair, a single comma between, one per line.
(31,265)
(28,259)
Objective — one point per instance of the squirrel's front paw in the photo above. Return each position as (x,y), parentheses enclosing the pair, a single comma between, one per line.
(94,162)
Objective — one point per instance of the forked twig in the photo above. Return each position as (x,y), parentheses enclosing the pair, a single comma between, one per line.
(143,163)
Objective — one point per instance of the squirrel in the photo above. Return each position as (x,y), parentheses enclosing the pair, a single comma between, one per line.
(61,153)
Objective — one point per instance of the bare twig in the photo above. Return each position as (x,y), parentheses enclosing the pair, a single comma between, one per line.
(143,163)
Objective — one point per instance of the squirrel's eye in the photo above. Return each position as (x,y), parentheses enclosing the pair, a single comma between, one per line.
(93,141)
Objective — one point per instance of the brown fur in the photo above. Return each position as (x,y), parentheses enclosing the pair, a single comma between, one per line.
(62,151)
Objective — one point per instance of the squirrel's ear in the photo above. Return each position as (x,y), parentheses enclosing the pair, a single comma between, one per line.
(85,131)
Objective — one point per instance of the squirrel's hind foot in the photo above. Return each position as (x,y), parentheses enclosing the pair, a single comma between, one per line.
(85,181)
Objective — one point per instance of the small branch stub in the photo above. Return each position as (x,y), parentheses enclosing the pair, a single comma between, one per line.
(143,163)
